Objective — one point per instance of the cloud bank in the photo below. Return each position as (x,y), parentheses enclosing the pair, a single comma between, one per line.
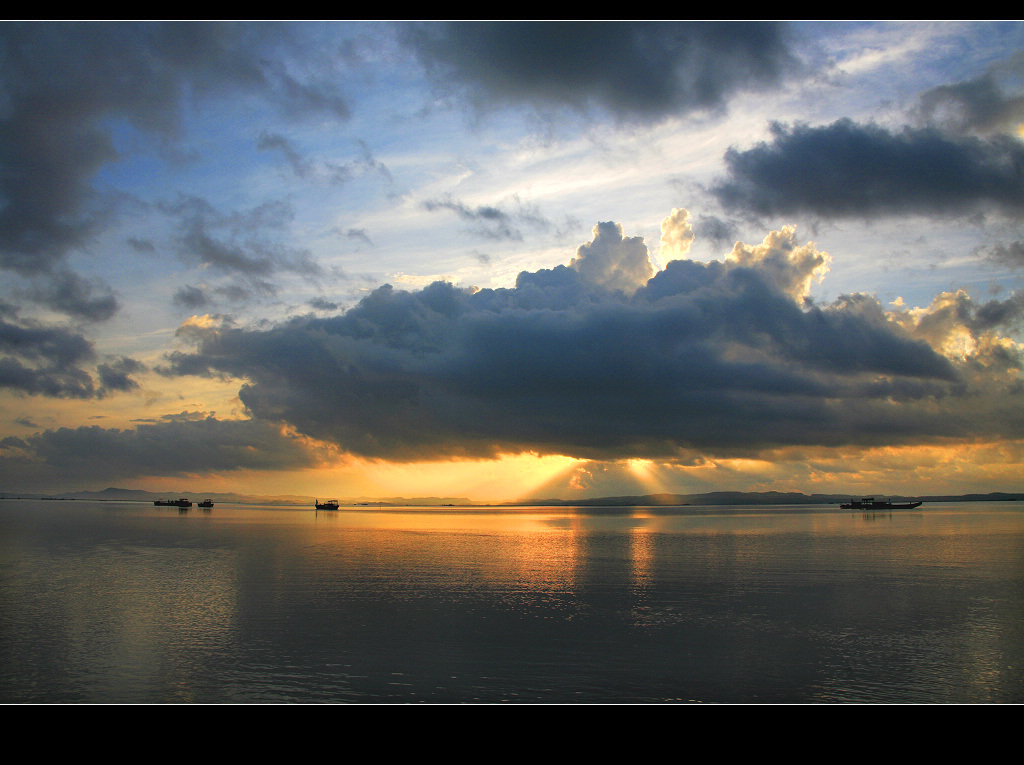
(179,446)
(977,106)
(851,170)
(605,359)
(55,362)
(633,69)
(69,90)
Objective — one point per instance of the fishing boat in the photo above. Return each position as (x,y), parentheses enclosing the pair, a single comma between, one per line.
(182,502)
(870,503)
(207,503)
(327,504)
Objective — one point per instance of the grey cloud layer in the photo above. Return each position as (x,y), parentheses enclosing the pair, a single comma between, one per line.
(175,447)
(963,158)
(633,69)
(51,361)
(720,357)
(977,105)
(847,169)
(237,243)
(60,81)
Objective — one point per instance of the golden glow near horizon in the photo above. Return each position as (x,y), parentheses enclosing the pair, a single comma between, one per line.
(923,469)
(644,471)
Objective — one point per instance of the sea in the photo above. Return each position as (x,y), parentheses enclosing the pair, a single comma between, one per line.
(127,603)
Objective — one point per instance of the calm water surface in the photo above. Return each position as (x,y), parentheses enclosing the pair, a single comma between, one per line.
(123,602)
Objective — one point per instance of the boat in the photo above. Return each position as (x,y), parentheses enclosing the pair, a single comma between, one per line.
(183,502)
(207,503)
(327,504)
(870,503)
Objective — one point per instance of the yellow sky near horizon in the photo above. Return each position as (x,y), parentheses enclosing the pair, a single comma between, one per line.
(910,470)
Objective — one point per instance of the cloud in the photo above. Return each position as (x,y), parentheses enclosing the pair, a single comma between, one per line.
(66,85)
(182,445)
(116,374)
(191,297)
(51,381)
(716,230)
(724,358)
(850,170)
(81,298)
(976,106)
(56,345)
(1011,254)
(141,245)
(635,70)
(957,325)
(322,304)
(493,221)
(676,236)
(359,234)
(309,169)
(243,243)
(50,361)
(617,262)
(790,267)
(302,167)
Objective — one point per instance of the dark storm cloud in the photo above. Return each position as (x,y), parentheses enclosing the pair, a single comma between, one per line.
(723,357)
(634,69)
(175,447)
(850,170)
(63,83)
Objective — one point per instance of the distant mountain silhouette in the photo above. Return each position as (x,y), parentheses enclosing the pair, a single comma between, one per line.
(644,500)
(757,498)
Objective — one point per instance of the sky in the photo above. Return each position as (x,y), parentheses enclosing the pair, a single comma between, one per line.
(503,260)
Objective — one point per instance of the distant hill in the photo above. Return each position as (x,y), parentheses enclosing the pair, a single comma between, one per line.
(113,494)
(644,500)
(757,498)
